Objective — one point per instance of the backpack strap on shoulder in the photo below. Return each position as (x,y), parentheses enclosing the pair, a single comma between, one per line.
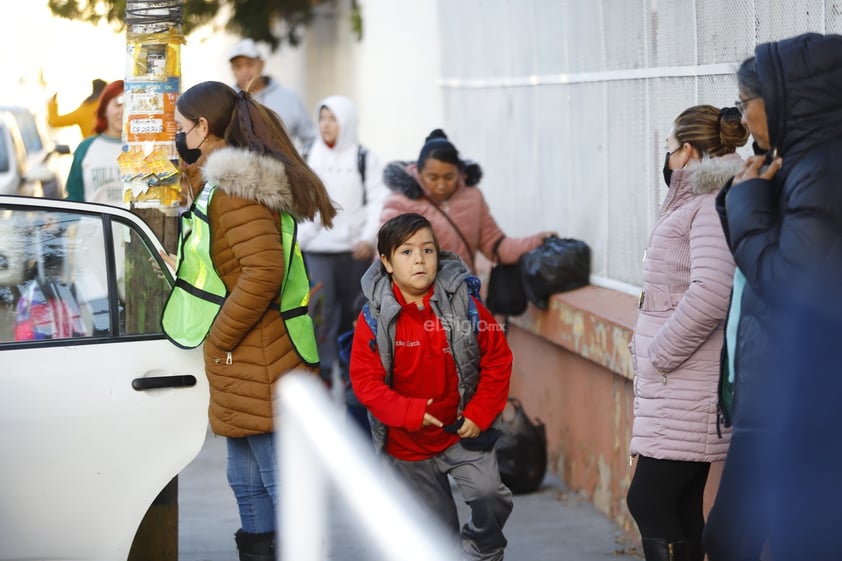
(474,285)
(362,152)
(371,322)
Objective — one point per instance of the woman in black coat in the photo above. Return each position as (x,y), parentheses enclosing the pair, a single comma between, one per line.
(782,215)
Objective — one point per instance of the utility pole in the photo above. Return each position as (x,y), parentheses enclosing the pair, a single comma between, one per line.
(149,166)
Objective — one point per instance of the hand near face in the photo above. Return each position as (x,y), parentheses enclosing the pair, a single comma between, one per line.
(751,169)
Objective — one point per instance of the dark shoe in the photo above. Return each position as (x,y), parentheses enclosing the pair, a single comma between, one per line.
(255,547)
(659,549)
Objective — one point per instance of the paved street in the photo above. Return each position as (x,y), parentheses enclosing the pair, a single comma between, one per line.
(550,525)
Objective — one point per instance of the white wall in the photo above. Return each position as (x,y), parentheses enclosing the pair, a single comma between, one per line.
(392,74)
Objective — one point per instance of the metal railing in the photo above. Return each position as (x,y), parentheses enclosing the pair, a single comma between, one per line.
(318,451)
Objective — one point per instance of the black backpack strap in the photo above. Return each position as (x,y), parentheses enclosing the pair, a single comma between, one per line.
(362,152)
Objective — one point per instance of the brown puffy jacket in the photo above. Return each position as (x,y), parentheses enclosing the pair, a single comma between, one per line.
(246,250)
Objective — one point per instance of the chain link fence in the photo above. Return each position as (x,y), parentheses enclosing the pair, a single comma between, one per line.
(566,104)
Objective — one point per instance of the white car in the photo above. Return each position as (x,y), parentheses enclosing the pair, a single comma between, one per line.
(28,157)
(41,151)
(98,410)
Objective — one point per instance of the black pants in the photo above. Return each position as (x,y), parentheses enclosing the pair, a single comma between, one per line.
(336,303)
(665,498)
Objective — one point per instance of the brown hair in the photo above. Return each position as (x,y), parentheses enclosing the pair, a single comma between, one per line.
(399,229)
(711,131)
(245,123)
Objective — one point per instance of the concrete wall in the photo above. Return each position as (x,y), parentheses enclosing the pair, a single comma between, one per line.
(572,370)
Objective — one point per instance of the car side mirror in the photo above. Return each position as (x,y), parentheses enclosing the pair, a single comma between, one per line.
(60,149)
(39,173)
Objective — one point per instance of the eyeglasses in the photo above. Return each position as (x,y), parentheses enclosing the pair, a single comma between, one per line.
(740,104)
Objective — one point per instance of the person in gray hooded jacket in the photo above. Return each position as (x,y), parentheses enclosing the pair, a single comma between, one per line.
(434,373)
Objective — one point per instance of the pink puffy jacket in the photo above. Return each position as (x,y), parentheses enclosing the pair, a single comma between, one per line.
(687,276)
(467,209)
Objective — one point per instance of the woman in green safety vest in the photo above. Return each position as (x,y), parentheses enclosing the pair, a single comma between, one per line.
(242,288)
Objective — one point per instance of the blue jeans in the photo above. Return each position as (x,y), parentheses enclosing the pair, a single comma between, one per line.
(253,476)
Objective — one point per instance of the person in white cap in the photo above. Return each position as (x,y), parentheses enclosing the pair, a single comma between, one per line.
(247,65)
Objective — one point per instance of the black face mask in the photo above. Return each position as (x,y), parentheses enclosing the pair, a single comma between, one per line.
(667,170)
(189,155)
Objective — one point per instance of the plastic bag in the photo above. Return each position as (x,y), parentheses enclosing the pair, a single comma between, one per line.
(521,449)
(557,265)
(506,295)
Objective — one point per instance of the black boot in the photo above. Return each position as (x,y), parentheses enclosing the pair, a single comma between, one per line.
(255,547)
(659,549)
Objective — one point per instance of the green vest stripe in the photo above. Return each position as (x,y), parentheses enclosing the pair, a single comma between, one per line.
(294,313)
(199,292)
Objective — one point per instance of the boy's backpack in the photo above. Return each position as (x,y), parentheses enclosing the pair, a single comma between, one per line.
(473,312)
(345,339)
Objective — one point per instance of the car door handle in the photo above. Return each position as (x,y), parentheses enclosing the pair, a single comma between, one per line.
(158,382)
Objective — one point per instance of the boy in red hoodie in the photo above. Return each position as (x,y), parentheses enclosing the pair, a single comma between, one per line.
(434,377)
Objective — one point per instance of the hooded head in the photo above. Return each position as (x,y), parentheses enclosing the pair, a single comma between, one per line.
(800,79)
(337,121)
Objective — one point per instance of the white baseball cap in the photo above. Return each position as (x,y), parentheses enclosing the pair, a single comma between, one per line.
(246,48)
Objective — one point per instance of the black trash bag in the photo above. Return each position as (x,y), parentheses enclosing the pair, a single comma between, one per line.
(557,265)
(505,294)
(521,449)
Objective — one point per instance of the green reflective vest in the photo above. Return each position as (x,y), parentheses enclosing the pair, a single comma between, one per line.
(199,293)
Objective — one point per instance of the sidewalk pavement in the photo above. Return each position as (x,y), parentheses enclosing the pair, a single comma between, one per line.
(549,525)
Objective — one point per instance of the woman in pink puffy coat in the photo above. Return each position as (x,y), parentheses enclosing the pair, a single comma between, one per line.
(442,188)
(687,276)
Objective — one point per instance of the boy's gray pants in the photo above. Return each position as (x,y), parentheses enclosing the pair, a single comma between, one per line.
(478,478)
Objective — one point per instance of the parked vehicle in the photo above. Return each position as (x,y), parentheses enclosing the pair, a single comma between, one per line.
(98,411)
(38,162)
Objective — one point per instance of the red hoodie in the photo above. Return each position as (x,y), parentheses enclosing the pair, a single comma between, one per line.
(424,369)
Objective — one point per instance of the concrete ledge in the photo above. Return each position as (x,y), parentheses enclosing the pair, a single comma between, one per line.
(595,323)
(572,370)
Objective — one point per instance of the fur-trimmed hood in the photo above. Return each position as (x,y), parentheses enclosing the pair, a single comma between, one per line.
(402,177)
(711,174)
(398,177)
(245,174)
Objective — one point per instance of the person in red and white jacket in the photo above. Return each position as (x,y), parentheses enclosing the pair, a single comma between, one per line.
(434,377)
